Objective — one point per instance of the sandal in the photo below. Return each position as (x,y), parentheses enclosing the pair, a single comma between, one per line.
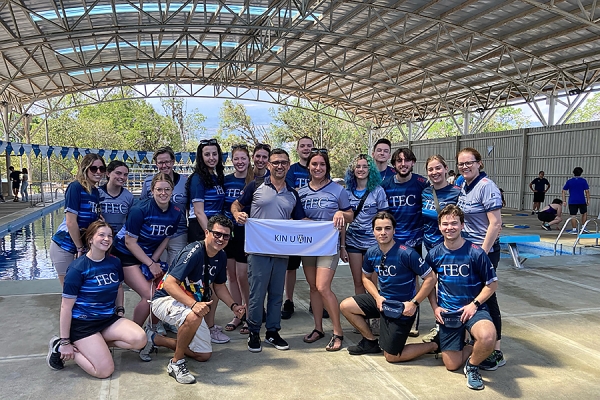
(232,326)
(310,338)
(331,344)
(244,330)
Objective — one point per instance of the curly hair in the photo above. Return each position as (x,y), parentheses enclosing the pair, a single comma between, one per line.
(373,179)
(202,169)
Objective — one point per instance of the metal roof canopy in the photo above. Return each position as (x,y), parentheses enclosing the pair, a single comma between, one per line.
(385,61)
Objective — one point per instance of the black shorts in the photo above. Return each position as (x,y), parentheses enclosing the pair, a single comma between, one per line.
(235,247)
(82,328)
(393,333)
(15,185)
(573,208)
(127,260)
(294,262)
(546,217)
(195,232)
(352,249)
(538,197)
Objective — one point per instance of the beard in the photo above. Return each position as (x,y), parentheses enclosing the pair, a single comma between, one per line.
(406,174)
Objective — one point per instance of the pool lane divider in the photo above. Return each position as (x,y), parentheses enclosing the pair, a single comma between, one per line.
(27,216)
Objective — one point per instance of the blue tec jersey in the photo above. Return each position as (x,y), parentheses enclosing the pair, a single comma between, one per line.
(447,195)
(149,224)
(322,204)
(387,173)
(234,187)
(405,202)
(462,273)
(115,209)
(360,232)
(83,204)
(297,176)
(188,268)
(212,197)
(178,197)
(94,286)
(577,187)
(397,276)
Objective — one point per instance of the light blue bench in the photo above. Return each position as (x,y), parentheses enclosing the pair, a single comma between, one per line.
(512,241)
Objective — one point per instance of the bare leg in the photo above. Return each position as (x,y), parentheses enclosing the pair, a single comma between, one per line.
(315,298)
(125,334)
(410,352)
(290,284)
(330,301)
(93,356)
(355,261)
(136,280)
(356,317)
(242,277)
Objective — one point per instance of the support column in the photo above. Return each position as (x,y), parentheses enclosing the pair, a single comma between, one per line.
(551,109)
(466,122)
(409,123)
(370,136)
(7,139)
(522,183)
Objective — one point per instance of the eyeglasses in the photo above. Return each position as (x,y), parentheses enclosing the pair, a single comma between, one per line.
(164,162)
(163,190)
(95,169)
(239,146)
(261,146)
(220,235)
(208,142)
(466,164)
(382,266)
(279,163)
(315,151)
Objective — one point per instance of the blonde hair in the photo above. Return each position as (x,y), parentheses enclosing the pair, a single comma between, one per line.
(160,177)
(86,163)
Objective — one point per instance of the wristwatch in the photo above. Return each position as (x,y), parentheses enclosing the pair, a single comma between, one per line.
(477,304)
(415,301)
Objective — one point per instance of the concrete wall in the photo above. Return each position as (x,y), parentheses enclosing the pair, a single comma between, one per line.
(519,155)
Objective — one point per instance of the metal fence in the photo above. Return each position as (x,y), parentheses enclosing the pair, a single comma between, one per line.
(514,158)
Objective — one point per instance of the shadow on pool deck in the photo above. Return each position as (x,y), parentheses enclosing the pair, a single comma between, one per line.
(551,324)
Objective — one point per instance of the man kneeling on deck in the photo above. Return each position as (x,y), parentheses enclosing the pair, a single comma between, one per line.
(183,298)
(397,267)
(466,279)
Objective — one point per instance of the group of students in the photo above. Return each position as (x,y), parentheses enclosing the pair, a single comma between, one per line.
(178,220)
(19,184)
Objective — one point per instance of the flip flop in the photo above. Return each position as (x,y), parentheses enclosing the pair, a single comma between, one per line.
(331,344)
(244,330)
(310,337)
(231,326)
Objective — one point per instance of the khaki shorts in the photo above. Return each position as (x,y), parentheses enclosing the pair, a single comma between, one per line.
(173,312)
(330,262)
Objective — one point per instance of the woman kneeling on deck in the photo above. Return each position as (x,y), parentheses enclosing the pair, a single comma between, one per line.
(92,309)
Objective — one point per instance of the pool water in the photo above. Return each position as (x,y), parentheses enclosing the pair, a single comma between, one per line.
(25,251)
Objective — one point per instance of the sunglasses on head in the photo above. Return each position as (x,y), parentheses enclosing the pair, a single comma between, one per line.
(314,150)
(239,146)
(95,169)
(208,142)
(262,146)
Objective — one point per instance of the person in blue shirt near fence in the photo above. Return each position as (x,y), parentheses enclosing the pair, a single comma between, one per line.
(324,200)
(82,207)
(207,197)
(91,313)
(466,279)
(164,159)
(579,198)
(142,240)
(237,260)
(445,193)
(481,201)
(115,199)
(367,198)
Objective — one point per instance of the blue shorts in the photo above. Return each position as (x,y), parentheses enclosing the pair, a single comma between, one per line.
(454,339)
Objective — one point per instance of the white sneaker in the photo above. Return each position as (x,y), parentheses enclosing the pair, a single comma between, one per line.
(180,372)
(148,348)
(160,329)
(573,232)
(216,336)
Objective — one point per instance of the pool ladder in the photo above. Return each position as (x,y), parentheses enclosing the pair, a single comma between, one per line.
(580,230)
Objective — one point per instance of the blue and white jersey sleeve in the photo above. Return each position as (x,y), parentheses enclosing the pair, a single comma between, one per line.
(146,192)
(360,232)
(462,274)
(86,206)
(212,197)
(447,195)
(405,203)
(322,204)
(94,286)
(115,209)
(297,176)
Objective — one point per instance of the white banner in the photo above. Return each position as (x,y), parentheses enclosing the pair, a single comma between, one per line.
(291,238)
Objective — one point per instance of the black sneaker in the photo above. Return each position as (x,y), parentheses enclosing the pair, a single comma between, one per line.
(276,341)
(254,342)
(288,309)
(53,358)
(546,227)
(494,360)
(365,347)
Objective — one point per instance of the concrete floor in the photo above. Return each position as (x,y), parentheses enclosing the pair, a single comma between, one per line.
(551,323)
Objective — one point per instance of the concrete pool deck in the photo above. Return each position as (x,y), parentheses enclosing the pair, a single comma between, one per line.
(550,331)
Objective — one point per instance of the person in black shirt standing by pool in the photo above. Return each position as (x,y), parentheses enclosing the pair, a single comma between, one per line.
(15,178)
(539,186)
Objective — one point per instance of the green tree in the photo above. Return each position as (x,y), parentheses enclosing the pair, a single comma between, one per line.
(235,119)
(590,111)
(189,123)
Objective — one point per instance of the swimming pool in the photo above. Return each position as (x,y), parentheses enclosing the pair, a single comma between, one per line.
(25,250)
